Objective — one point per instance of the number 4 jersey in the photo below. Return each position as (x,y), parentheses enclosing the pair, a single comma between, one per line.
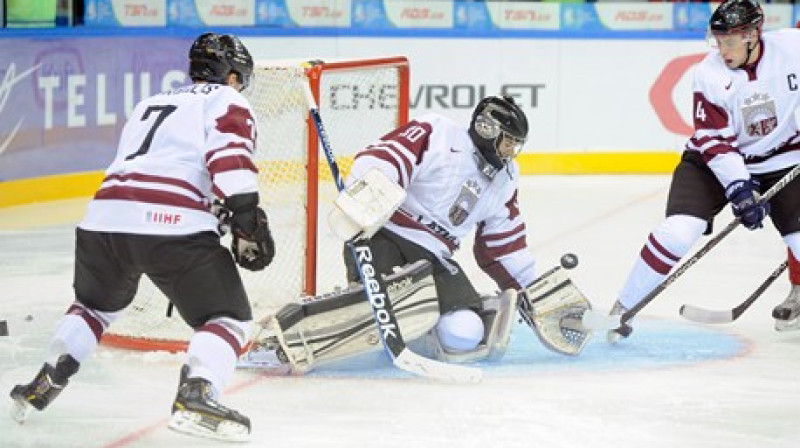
(178,150)
(748,115)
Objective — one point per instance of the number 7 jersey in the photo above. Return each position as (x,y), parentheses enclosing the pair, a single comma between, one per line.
(178,150)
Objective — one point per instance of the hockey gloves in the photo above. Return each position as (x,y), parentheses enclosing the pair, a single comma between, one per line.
(252,247)
(746,205)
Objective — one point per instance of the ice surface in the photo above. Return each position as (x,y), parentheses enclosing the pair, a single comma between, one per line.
(673,384)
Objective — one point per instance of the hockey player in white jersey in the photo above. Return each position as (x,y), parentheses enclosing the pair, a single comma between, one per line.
(746,92)
(179,152)
(416,193)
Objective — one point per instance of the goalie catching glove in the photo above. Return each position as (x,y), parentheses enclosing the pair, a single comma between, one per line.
(252,246)
(553,306)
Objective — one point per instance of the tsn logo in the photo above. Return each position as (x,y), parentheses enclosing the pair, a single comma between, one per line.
(526,15)
(321,12)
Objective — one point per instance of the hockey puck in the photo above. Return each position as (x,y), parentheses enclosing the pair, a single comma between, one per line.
(569,261)
(3,328)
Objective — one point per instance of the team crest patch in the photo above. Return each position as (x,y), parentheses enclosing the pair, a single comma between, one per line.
(759,115)
(465,202)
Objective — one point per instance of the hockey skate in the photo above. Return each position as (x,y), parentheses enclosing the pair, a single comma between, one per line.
(196,412)
(614,336)
(787,313)
(44,388)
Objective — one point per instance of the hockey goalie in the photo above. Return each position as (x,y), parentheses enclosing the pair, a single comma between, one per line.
(336,326)
(414,194)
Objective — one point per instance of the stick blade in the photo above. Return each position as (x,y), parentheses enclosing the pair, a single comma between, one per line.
(600,322)
(704,316)
(430,368)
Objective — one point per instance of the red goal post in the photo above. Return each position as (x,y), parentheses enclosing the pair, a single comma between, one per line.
(359,101)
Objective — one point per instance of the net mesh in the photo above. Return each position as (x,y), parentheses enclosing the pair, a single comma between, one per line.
(359,101)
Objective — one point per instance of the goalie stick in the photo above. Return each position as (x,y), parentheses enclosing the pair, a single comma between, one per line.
(704,316)
(597,321)
(375,289)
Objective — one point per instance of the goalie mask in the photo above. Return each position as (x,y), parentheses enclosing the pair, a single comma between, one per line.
(213,57)
(499,129)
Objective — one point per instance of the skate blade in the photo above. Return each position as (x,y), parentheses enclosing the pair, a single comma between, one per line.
(20,410)
(787,325)
(265,368)
(269,364)
(191,423)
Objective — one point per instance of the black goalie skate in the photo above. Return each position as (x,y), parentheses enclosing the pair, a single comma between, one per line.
(196,412)
(44,388)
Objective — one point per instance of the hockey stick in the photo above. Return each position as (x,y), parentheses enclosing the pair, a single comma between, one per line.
(375,289)
(597,321)
(702,315)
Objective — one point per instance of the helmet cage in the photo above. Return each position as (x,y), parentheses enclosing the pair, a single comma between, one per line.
(729,39)
(506,145)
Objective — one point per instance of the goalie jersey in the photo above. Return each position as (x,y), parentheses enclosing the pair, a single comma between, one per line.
(744,119)
(178,150)
(435,161)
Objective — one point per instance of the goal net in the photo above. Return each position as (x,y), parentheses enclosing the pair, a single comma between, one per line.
(359,101)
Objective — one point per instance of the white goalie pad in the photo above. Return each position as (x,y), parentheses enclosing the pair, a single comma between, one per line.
(338,325)
(498,318)
(365,206)
(553,307)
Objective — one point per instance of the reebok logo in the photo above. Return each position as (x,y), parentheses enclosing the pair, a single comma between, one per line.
(730,83)
(372,288)
(454,150)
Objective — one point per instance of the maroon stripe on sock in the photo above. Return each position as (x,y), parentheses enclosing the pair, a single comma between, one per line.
(226,336)
(662,250)
(654,262)
(94,324)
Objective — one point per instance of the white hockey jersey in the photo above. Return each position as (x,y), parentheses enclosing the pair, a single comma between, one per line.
(435,161)
(744,119)
(178,150)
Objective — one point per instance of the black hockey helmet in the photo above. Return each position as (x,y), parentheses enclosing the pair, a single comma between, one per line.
(499,129)
(213,57)
(736,15)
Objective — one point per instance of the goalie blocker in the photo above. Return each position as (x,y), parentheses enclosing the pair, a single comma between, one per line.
(335,326)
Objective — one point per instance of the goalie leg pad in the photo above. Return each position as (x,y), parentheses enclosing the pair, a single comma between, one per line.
(338,325)
(498,318)
(553,307)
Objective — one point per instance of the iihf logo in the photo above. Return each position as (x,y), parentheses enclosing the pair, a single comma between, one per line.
(163,218)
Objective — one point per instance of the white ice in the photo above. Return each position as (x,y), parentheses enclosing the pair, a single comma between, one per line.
(673,384)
